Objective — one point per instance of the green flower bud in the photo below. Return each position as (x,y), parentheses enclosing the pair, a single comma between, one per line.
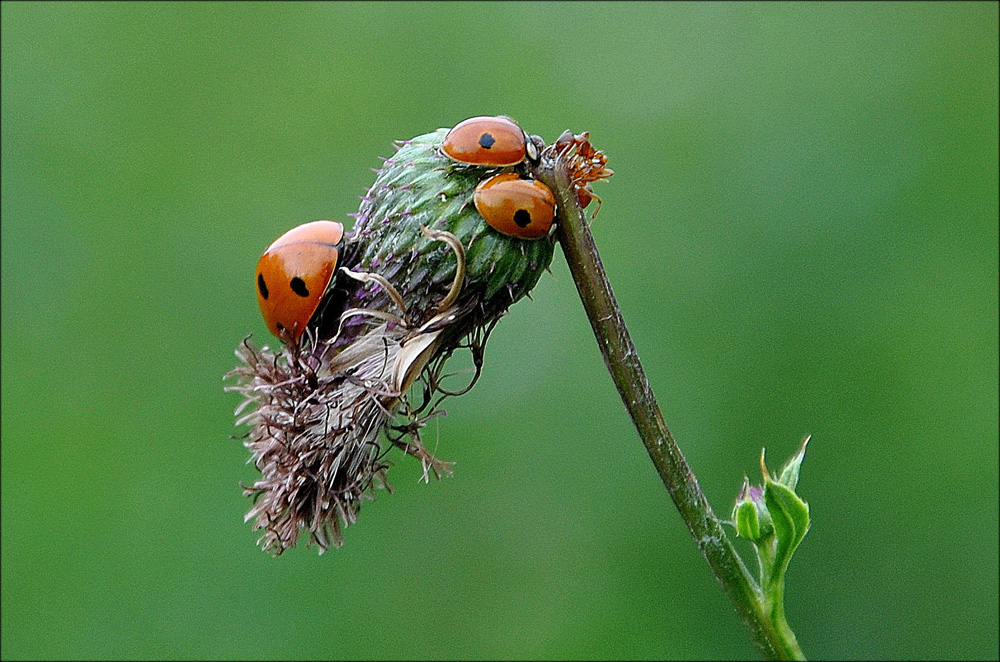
(750,515)
(419,186)
(775,519)
(747,520)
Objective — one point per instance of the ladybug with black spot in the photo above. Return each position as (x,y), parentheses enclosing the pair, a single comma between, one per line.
(516,206)
(294,274)
(489,141)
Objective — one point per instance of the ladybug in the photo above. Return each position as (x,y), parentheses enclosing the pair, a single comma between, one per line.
(488,141)
(516,207)
(293,275)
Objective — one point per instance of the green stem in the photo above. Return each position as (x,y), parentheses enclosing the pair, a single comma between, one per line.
(774,601)
(630,378)
(776,607)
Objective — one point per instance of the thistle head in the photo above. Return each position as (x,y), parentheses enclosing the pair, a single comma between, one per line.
(453,231)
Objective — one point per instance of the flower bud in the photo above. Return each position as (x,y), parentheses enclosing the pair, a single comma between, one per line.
(750,513)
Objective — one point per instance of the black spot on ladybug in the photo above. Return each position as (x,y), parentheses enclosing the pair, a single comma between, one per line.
(486,140)
(522,218)
(261,285)
(299,287)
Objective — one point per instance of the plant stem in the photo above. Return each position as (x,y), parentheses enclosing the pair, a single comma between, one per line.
(630,378)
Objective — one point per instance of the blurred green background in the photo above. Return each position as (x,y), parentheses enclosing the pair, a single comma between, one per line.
(802,233)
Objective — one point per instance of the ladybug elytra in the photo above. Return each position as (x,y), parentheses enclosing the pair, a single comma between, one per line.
(514,206)
(293,275)
(487,141)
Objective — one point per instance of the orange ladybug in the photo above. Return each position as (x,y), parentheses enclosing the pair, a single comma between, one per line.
(293,275)
(487,141)
(516,207)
